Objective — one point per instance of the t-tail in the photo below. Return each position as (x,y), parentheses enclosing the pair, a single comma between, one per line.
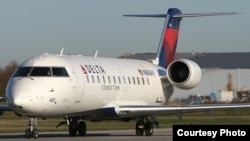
(168,43)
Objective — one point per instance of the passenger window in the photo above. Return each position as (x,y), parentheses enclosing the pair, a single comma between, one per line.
(41,71)
(148,81)
(119,79)
(138,80)
(134,80)
(143,82)
(129,80)
(98,79)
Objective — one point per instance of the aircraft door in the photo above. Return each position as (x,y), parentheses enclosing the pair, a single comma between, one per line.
(79,90)
(77,82)
(79,87)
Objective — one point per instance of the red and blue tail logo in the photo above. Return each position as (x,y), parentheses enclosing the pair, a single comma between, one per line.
(167,47)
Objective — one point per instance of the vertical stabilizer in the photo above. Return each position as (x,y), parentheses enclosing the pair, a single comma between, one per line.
(167,46)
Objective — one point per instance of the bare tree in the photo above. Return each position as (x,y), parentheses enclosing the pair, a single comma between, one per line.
(5,74)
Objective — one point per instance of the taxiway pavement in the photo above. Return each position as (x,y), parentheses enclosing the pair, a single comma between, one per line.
(162,134)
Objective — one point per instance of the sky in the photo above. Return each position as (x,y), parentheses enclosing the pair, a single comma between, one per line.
(31,27)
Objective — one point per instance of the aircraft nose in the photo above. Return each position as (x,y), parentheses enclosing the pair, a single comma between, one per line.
(19,102)
(21,99)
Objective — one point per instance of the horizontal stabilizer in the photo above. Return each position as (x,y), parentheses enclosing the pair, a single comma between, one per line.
(183,15)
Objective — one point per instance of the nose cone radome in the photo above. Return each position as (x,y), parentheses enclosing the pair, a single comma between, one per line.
(20,100)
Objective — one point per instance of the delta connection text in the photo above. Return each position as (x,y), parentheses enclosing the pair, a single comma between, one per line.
(212,134)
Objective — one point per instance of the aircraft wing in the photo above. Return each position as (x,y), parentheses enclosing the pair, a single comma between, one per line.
(126,111)
(4,108)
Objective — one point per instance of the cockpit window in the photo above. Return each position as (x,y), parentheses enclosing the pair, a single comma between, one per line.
(40,71)
(22,71)
(57,71)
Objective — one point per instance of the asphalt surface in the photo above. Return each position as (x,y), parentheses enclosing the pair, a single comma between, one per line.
(164,134)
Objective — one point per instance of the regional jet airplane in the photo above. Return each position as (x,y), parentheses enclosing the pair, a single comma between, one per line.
(80,88)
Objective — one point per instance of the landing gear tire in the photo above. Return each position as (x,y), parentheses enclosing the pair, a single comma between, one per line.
(27,133)
(32,131)
(35,133)
(142,126)
(82,128)
(73,128)
(149,128)
(139,129)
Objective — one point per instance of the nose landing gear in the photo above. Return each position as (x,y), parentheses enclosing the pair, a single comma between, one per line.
(32,131)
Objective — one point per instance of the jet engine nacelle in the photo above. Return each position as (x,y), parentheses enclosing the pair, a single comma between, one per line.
(184,74)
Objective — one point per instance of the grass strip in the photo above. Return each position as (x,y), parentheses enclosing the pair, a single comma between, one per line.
(10,123)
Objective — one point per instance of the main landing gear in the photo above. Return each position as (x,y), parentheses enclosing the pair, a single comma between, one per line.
(32,131)
(76,126)
(142,126)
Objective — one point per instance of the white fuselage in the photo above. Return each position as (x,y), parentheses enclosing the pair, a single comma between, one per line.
(92,83)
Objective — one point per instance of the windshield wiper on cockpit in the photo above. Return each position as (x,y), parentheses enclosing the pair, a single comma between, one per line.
(23,72)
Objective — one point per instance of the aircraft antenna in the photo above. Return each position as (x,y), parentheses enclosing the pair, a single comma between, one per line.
(61,53)
(96,53)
